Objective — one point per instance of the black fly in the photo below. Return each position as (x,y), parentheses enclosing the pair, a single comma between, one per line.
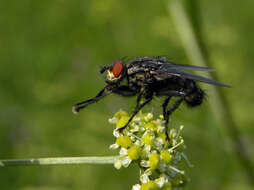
(152,76)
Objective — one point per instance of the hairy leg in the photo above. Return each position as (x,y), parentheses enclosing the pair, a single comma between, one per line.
(166,113)
(104,92)
(169,112)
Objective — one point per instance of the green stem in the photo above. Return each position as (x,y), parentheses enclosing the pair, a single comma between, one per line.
(197,52)
(59,161)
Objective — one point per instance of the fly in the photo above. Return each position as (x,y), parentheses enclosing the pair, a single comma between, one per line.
(146,77)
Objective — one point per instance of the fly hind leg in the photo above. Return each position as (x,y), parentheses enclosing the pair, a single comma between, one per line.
(165,116)
(167,113)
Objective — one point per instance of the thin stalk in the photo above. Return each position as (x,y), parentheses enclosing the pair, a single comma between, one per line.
(197,52)
(59,161)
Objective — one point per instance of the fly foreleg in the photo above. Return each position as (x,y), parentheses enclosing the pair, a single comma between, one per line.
(104,92)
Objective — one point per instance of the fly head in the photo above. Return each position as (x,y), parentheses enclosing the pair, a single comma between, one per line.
(115,72)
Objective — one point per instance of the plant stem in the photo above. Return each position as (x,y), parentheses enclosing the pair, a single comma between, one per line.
(197,52)
(59,161)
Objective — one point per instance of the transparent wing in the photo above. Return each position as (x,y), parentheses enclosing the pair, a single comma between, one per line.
(187,67)
(156,62)
(167,72)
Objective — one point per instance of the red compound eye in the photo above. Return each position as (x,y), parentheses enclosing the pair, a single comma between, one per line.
(117,68)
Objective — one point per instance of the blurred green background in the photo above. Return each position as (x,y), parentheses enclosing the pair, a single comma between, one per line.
(50,55)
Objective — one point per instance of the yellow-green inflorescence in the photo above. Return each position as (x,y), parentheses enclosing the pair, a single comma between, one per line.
(144,142)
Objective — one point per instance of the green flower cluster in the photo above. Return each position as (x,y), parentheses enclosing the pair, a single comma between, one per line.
(144,142)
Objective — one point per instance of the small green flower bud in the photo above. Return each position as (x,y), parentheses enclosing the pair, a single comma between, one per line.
(124,141)
(166,157)
(154,161)
(147,116)
(120,114)
(147,139)
(165,141)
(150,126)
(162,135)
(150,185)
(167,186)
(134,152)
(121,122)
(118,164)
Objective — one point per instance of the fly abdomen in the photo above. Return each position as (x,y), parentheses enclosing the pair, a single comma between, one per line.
(195,96)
